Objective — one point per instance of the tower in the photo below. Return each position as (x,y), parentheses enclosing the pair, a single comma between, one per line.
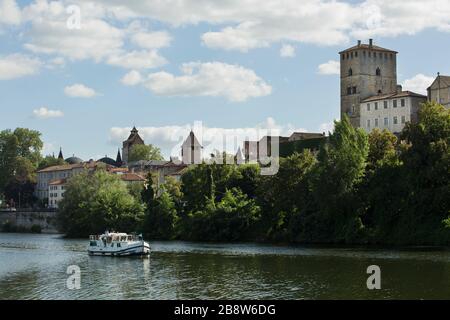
(366,70)
(60,156)
(132,140)
(191,150)
(119,159)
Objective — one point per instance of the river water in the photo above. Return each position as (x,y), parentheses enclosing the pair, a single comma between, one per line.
(35,267)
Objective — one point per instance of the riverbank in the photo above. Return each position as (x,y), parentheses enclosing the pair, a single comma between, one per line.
(28,221)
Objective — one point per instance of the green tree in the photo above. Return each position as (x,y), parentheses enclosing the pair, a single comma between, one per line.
(382,149)
(233,218)
(19,157)
(96,202)
(161,218)
(284,195)
(335,214)
(144,152)
(426,161)
(50,161)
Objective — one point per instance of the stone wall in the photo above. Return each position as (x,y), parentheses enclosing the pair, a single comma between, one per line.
(24,220)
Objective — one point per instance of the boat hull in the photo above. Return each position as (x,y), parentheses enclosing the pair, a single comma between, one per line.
(135,250)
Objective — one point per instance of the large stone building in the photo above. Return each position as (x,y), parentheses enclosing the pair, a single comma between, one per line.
(367,70)
(390,111)
(133,139)
(439,91)
(370,95)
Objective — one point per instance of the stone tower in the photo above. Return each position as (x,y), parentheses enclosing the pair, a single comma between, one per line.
(366,70)
(132,140)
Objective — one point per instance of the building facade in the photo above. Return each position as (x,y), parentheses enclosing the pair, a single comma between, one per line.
(390,111)
(439,91)
(366,70)
(56,189)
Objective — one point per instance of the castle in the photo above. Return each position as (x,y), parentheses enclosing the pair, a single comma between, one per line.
(370,95)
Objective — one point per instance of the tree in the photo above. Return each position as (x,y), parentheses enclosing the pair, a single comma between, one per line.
(382,149)
(50,161)
(144,152)
(95,202)
(335,214)
(233,218)
(19,158)
(284,195)
(426,177)
(161,218)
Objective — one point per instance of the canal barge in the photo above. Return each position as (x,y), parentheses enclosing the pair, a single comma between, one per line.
(118,244)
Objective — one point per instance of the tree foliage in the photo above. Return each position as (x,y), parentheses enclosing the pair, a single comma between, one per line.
(95,202)
(144,152)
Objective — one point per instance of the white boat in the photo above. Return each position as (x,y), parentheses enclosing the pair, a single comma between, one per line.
(117,244)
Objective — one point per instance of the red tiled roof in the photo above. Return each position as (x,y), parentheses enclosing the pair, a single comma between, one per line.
(131,177)
(368,47)
(393,96)
(57,182)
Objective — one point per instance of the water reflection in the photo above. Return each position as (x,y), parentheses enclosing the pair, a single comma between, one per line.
(34,267)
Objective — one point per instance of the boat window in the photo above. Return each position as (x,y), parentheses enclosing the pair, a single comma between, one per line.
(93,243)
(112,244)
(119,245)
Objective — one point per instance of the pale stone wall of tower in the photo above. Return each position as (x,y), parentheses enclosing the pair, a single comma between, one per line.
(363,81)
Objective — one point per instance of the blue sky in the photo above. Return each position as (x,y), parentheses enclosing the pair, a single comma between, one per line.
(216,62)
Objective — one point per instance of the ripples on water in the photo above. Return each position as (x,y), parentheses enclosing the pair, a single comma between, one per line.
(34,267)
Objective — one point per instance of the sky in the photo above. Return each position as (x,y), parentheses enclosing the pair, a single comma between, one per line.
(85,72)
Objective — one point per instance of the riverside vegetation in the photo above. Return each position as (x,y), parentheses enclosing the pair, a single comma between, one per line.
(359,188)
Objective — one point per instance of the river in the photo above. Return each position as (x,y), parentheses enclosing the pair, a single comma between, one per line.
(35,266)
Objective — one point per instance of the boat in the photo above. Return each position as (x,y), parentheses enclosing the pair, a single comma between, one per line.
(118,244)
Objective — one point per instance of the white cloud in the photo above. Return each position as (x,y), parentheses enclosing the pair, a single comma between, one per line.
(287,51)
(10,13)
(233,82)
(151,40)
(79,90)
(45,113)
(49,34)
(327,127)
(132,78)
(247,24)
(419,83)
(169,138)
(330,67)
(18,65)
(138,60)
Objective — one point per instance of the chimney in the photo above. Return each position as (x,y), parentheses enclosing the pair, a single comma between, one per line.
(370,43)
(359,43)
(399,88)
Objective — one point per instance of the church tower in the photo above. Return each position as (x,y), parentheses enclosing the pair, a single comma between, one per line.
(132,140)
(366,70)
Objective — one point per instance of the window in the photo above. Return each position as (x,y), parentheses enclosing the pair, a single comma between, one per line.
(376,105)
(395,120)
(376,122)
(368,123)
(353,90)
(349,90)
(402,102)
(385,103)
(378,72)
(403,119)
(368,107)
(350,72)
(386,121)
(356,53)
(395,103)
